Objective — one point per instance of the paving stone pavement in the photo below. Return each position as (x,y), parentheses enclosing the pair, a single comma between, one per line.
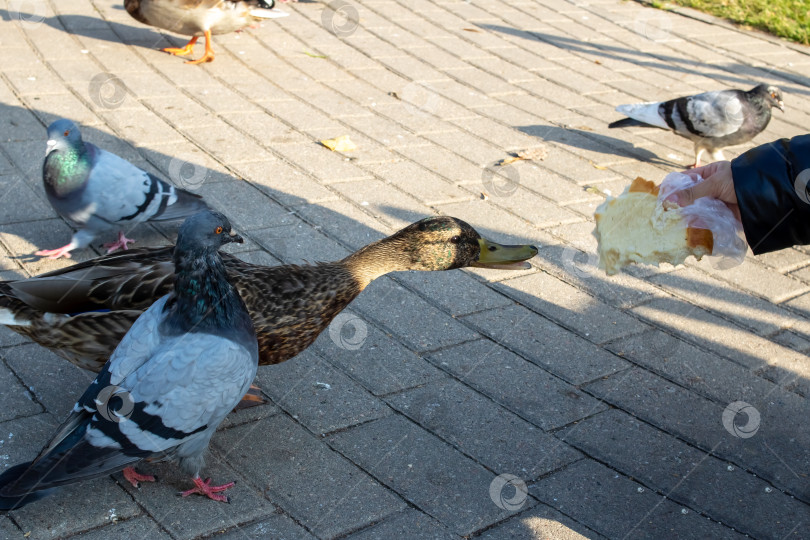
(611,400)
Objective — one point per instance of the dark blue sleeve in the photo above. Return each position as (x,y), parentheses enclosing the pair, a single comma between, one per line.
(771,182)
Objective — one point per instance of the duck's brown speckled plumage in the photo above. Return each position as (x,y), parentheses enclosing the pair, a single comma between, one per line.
(290,305)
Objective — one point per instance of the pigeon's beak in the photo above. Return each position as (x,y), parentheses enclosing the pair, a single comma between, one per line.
(233,237)
(50,145)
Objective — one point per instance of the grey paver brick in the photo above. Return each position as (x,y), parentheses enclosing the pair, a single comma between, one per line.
(384,202)
(55,382)
(777,452)
(724,337)
(419,324)
(16,400)
(423,470)
(380,364)
(326,165)
(276,526)
(195,515)
(19,202)
(581,312)
(319,488)
(320,397)
(693,368)
(759,315)
(408,523)
(541,521)
(457,292)
(546,344)
(616,506)
(519,386)
(758,280)
(75,508)
(139,527)
(498,439)
(256,210)
(689,476)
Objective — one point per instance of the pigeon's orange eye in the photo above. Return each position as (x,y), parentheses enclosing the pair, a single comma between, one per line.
(66,132)
(218,230)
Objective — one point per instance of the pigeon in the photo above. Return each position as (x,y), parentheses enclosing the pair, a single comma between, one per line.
(713,120)
(98,191)
(181,368)
(201,18)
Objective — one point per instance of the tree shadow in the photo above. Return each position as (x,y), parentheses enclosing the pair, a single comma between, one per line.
(733,73)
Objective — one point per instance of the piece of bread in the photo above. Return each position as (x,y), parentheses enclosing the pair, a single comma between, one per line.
(631,228)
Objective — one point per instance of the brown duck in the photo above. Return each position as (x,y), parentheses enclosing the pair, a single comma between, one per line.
(83,311)
(200,18)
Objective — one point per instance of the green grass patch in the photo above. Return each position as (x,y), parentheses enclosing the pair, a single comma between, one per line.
(788,19)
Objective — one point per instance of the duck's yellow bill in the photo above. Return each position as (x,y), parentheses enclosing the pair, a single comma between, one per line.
(502,257)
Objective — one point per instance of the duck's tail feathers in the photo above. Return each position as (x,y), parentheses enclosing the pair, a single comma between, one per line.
(9,318)
(646,113)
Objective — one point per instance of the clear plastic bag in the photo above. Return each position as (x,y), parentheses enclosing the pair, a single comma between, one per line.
(730,246)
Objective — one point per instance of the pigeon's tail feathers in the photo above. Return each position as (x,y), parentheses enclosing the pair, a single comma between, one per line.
(183,205)
(10,476)
(71,460)
(647,113)
(260,13)
(626,122)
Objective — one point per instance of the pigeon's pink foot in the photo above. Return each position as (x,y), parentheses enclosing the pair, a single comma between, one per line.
(134,477)
(120,244)
(205,488)
(63,251)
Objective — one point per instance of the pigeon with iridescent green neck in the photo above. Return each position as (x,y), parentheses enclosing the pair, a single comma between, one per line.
(99,191)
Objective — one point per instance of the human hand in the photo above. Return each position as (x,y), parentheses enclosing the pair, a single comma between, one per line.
(717,184)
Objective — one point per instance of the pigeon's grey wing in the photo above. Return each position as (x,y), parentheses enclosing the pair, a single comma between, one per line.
(138,346)
(190,384)
(119,192)
(714,114)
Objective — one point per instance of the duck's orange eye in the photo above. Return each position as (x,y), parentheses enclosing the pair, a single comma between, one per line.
(66,132)
(218,230)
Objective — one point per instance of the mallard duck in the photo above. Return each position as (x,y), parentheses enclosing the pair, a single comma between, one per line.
(84,310)
(200,18)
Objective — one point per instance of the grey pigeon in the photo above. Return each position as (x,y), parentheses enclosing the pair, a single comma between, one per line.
(713,120)
(182,367)
(99,191)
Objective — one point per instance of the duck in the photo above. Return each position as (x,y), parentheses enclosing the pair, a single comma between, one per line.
(197,18)
(82,311)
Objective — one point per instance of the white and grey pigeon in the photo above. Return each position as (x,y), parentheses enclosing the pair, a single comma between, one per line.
(182,367)
(99,191)
(713,120)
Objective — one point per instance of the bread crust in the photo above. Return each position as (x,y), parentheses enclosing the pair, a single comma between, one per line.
(696,241)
